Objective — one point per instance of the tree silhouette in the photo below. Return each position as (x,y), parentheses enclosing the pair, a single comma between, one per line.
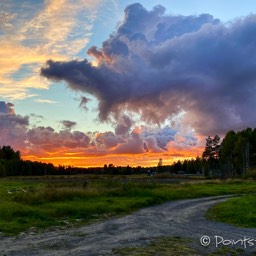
(8,153)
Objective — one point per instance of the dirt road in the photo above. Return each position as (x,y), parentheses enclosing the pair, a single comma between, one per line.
(184,218)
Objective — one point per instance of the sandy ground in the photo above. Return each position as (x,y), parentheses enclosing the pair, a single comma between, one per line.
(183,218)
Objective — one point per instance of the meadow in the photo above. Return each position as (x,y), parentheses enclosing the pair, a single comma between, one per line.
(239,211)
(67,201)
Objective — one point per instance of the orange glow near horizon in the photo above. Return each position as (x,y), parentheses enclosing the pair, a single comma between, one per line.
(144,160)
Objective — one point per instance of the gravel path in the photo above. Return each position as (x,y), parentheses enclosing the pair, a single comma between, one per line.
(183,218)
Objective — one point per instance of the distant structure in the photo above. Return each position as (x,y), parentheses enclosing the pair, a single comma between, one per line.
(160,163)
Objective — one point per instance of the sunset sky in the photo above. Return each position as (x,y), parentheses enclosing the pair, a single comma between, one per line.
(94,82)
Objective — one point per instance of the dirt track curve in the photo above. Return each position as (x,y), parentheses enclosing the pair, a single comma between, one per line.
(183,218)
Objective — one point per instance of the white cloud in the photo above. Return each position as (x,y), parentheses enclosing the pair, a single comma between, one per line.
(45,101)
(32,34)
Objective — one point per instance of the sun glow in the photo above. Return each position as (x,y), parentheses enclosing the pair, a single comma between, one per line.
(144,160)
(95,63)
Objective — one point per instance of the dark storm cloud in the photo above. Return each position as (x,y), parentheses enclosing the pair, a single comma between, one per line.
(159,65)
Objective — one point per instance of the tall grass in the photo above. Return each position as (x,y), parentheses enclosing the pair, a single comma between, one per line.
(24,205)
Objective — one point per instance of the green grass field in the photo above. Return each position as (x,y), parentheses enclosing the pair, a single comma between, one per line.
(44,203)
(172,246)
(239,211)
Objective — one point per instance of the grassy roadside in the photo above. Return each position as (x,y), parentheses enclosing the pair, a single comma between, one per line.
(164,246)
(43,204)
(239,211)
(172,246)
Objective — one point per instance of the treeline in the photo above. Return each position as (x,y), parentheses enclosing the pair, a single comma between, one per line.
(234,156)
(110,169)
(191,166)
(11,164)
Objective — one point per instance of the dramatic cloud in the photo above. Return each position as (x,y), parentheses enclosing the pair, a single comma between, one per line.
(15,131)
(129,139)
(160,66)
(49,140)
(64,146)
